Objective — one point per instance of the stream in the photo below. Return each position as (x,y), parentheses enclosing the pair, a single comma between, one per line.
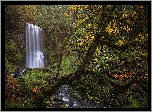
(64,95)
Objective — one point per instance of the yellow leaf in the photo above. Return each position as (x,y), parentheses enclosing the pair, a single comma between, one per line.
(134,13)
(66,14)
(87,37)
(98,49)
(146,35)
(78,15)
(127,28)
(92,37)
(121,42)
(86,48)
(139,34)
(89,25)
(80,43)
(141,6)
(109,29)
(125,15)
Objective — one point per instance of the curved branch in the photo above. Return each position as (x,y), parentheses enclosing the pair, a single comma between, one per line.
(119,86)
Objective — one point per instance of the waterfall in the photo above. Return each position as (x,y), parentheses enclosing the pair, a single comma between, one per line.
(34,46)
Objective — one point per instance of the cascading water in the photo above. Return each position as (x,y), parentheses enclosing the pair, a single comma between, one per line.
(34,46)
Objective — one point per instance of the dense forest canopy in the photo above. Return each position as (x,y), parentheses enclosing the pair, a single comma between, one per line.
(97,47)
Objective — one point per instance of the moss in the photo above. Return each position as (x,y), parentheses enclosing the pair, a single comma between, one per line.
(13,55)
(69,64)
(18,105)
(133,102)
(63,106)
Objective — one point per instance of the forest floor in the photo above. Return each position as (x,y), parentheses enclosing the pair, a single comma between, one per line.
(40,85)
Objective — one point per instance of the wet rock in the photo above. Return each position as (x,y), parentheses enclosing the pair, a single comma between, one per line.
(19,72)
